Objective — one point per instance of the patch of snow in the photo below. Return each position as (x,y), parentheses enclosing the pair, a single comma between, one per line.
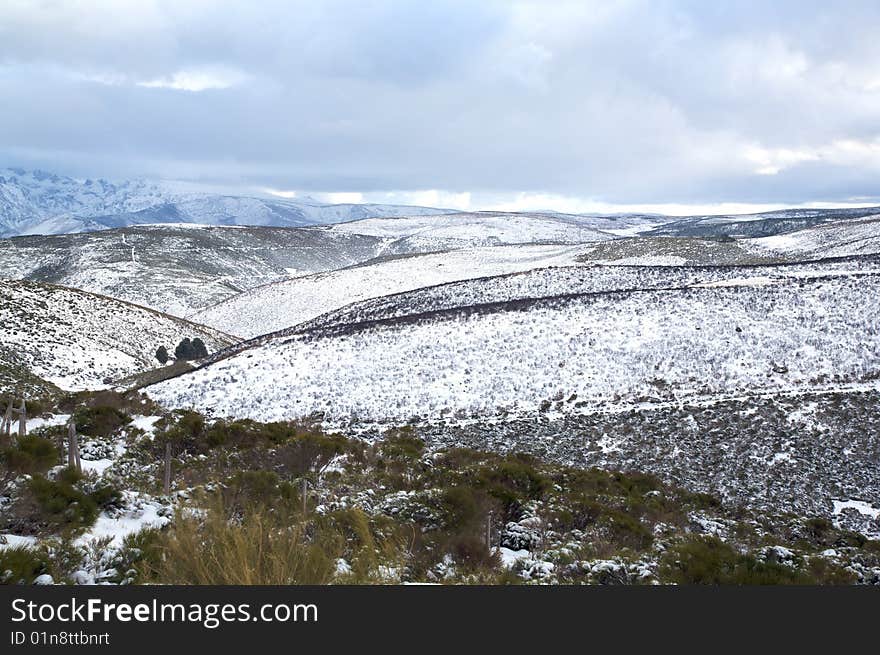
(646,260)
(138,514)
(509,557)
(16,541)
(145,423)
(866,509)
(54,420)
(761,281)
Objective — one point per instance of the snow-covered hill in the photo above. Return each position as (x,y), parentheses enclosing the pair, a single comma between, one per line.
(757,225)
(577,280)
(76,340)
(743,338)
(489,228)
(37,202)
(797,238)
(840,239)
(284,304)
(178,268)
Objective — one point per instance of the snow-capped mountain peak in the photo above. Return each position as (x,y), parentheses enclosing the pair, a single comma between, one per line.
(41,202)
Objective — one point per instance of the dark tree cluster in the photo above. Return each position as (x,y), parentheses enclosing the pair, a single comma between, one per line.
(194,349)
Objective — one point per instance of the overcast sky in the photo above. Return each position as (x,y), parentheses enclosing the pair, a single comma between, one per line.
(669,105)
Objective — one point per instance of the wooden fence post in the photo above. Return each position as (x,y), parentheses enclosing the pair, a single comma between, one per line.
(73,447)
(305,495)
(6,426)
(166,487)
(22,420)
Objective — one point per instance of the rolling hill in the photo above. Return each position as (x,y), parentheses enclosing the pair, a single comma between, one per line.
(757,383)
(748,336)
(284,304)
(54,337)
(757,225)
(179,268)
(852,237)
(492,228)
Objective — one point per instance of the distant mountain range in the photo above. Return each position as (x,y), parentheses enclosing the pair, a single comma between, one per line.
(39,202)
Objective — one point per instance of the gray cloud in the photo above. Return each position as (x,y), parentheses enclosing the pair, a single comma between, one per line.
(627,102)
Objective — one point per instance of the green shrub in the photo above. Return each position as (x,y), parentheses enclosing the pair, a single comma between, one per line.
(577,513)
(703,501)
(31,454)
(253,488)
(141,552)
(69,475)
(625,530)
(470,552)
(513,481)
(827,573)
(708,560)
(359,544)
(62,503)
(101,421)
(309,452)
(188,431)
(106,495)
(402,445)
(460,506)
(21,564)
(636,484)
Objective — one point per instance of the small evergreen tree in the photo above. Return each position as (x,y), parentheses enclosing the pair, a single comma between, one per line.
(162,354)
(184,349)
(199,350)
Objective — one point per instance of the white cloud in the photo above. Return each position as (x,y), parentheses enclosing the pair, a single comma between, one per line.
(841,152)
(770,161)
(341,197)
(630,101)
(196,80)
(279,193)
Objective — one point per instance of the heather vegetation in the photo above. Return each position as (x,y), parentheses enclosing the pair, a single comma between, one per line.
(289,503)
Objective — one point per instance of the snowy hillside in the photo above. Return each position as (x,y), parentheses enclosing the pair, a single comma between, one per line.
(560,282)
(484,228)
(620,347)
(178,268)
(793,239)
(678,251)
(284,304)
(841,239)
(76,340)
(379,289)
(37,202)
(757,225)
